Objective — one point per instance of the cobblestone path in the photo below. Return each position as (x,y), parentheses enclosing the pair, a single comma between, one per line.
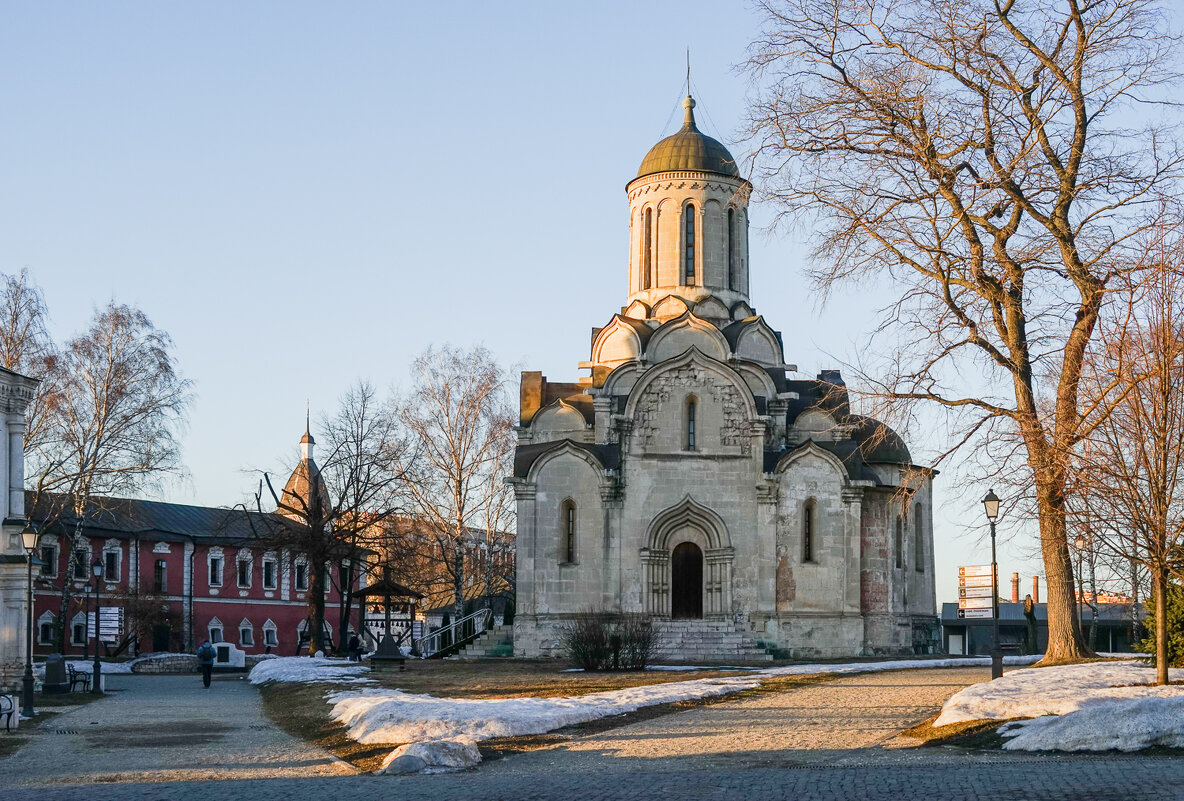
(165,728)
(816,743)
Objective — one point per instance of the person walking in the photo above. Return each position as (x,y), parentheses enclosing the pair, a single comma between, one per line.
(355,649)
(205,660)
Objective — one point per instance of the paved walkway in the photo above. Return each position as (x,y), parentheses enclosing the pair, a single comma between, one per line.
(820,742)
(853,712)
(165,728)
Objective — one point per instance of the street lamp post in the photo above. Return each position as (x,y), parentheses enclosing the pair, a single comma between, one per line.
(29,537)
(97,570)
(991,507)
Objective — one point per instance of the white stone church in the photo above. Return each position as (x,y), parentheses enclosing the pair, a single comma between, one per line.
(694,475)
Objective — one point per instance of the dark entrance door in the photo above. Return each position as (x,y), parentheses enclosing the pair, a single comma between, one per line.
(686,585)
(160,637)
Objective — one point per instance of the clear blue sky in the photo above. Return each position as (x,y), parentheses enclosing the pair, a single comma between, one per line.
(303,194)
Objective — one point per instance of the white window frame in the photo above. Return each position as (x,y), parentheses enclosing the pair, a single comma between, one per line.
(271,634)
(211,574)
(117,552)
(215,625)
(249,561)
(51,564)
(46,618)
(275,572)
(248,628)
(79,620)
(83,563)
(296,565)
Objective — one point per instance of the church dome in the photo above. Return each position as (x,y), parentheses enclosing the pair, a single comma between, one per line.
(689,149)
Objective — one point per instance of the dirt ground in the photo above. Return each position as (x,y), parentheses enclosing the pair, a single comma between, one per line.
(513,678)
(301,709)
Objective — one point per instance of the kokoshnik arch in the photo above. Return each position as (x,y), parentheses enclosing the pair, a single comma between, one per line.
(691,475)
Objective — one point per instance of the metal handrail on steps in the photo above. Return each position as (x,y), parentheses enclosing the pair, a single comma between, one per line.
(431,643)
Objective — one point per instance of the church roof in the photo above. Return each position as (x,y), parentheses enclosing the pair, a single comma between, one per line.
(609,456)
(133,517)
(689,149)
(295,498)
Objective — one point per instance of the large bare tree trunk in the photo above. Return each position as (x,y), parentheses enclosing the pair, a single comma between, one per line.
(1159,591)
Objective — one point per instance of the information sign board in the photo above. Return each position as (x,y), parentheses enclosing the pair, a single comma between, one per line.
(974,614)
(975,603)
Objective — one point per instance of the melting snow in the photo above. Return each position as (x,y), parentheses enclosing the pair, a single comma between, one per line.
(308,669)
(1087,707)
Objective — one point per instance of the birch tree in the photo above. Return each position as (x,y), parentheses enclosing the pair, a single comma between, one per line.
(112,422)
(460,433)
(992,161)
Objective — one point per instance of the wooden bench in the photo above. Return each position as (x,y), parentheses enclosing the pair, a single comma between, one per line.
(7,710)
(77,677)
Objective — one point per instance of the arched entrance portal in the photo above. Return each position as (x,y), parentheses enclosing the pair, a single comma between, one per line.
(686,585)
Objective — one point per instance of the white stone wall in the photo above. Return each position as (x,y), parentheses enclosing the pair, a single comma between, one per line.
(16,391)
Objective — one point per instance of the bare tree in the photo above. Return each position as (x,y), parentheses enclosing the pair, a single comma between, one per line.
(981,156)
(1129,488)
(25,345)
(457,422)
(111,423)
(328,516)
(362,474)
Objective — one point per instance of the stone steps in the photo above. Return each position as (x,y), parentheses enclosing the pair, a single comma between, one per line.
(706,641)
(490,644)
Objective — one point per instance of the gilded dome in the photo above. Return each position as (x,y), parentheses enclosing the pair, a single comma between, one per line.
(689,149)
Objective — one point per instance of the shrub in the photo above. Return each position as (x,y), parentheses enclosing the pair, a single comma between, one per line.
(600,640)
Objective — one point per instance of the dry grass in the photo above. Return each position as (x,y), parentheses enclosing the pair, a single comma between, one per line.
(302,711)
(516,678)
(968,734)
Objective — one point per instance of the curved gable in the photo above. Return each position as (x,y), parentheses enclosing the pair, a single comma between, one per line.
(558,419)
(618,342)
(712,308)
(668,307)
(637,311)
(759,343)
(564,451)
(811,452)
(688,331)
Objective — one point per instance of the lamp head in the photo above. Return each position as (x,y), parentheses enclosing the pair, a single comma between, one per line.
(97,568)
(1079,542)
(29,537)
(991,505)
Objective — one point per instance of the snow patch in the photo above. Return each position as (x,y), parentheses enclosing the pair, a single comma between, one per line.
(310,670)
(392,716)
(434,756)
(1054,691)
(1103,725)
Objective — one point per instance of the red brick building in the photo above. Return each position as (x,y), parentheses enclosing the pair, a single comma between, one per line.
(195,571)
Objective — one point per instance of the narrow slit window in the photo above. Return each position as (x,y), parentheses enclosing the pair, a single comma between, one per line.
(731,248)
(899,543)
(918,540)
(691,424)
(647,258)
(689,269)
(808,532)
(569,532)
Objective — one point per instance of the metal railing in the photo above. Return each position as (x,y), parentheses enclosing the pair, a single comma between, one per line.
(464,628)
